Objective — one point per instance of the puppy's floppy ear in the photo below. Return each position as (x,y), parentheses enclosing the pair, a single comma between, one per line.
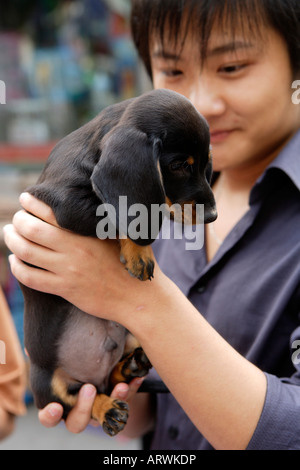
(129,166)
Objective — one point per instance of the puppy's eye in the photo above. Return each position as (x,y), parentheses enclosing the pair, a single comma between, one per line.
(188,164)
(176,166)
(182,166)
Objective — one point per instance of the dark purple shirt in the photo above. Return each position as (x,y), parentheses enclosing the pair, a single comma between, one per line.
(250,293)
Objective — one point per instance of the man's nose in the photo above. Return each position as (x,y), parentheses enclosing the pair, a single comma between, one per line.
(207,98)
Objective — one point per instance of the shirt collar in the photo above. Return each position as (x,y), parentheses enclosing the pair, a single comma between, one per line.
(288,160)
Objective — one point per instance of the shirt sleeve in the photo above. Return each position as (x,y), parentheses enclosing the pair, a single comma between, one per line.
(279,424)
(12,364)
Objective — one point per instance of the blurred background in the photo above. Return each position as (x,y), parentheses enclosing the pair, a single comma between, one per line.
(61,63)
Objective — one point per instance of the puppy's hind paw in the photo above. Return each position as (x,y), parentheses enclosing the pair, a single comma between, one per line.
(116,418)
(136,364)
(111,414)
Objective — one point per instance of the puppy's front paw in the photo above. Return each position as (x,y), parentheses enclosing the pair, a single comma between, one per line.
(140,268)
(137,260)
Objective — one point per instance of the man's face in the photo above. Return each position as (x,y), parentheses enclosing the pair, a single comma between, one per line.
(244,92)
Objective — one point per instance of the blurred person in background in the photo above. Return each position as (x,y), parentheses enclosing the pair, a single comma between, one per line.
(12,372)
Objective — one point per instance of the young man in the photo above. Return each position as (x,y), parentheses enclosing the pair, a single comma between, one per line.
(219,325)
(12,372)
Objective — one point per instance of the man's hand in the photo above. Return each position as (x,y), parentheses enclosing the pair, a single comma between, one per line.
(80,416)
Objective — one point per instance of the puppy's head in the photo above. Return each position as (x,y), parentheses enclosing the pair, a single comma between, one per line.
(158,154)
(186,166)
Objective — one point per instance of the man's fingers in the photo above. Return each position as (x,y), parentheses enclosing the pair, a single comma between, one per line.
(51,415)
(123,391)
(37,208)
(36,230)
(26,250)
(31,277)
(80,416)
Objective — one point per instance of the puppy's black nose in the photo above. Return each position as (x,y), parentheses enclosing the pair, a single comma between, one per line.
(210,214)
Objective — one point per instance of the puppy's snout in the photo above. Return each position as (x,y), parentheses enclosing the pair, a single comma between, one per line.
(206,198)
(190,214)
(210,214)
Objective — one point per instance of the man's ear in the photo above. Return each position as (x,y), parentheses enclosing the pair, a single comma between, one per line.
(129,167)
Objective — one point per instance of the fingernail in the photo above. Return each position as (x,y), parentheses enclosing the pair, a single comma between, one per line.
(54,411)
(88,391)
(122,392)
(139,381)
(23,197)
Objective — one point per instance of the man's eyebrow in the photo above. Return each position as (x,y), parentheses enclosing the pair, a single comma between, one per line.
(232,46)
(229,47)
(168,55)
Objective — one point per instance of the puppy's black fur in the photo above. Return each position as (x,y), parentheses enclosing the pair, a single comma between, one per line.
(154,149)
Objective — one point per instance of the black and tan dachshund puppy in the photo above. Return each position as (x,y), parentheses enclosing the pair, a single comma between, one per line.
(153,149)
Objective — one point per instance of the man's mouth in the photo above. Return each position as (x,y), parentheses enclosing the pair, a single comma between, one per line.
(220,135)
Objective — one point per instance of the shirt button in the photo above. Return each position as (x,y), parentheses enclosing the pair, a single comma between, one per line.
(173,432)
(200,289)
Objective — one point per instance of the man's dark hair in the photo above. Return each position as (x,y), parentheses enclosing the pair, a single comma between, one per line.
(165,18)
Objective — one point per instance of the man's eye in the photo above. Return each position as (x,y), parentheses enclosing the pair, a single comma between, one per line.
(232,68)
